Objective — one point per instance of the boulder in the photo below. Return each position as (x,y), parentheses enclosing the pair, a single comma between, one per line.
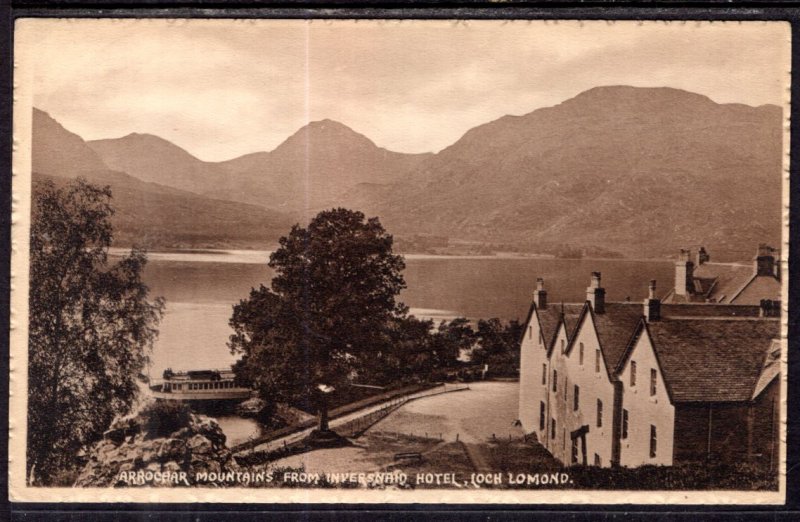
(251,407)
(128,446)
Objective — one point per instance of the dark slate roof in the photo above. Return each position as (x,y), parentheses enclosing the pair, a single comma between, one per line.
(719,282)
(758,288)
(712,359)
(550,317)
(615,327)
(728,279)
(771,368)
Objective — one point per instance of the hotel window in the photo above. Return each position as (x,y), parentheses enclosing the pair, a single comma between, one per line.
(530,332)
(541,416)
(580,354)
(624,424)
(597,361)
(597,460)
(555,381)
(563,345)
(552,429)
(575,450)
(544,374)
(653,382)
(566,388)
(599,413)
(652,441)
(576,398)
(633,373)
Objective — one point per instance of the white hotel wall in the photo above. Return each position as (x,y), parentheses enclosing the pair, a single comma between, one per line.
(593,386)
(559,445)
(645,410)
(533,353)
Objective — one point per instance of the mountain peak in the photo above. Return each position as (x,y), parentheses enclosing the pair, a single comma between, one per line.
(612,96)
(66,153)
(329,126)
(141,145)
(326,133)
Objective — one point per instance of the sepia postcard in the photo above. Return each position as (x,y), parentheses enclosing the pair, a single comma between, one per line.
(399,261)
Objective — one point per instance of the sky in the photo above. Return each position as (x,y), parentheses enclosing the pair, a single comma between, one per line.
(223,88)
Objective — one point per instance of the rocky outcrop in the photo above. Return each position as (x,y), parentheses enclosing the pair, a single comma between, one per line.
(136,443)
(251,408)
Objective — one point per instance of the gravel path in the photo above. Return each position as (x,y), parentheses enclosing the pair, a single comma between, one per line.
(486,409)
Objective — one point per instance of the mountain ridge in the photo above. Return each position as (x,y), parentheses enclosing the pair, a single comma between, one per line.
(333,155)
(147,213)
(620,169)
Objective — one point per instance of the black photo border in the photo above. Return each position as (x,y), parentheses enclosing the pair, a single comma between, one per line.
(416,9)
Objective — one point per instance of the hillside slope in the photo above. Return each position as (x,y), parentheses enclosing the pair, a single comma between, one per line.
(311,170)
(151,214)
(642,171)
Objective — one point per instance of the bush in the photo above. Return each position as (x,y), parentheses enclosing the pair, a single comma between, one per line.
(162,418)
(693,476)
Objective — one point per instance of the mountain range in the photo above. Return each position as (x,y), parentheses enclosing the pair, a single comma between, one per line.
(150,214)
(615,170)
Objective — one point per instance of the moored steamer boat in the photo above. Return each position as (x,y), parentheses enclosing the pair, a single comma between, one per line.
(199,385)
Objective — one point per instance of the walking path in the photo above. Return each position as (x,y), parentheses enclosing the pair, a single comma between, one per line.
(298,436)
(472,418)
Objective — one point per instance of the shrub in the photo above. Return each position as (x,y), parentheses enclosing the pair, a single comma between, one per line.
(162,418)
(689,476)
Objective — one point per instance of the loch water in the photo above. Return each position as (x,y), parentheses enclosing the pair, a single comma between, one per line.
(201,287)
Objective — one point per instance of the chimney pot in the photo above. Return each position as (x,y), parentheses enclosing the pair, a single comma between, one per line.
(596,295)
(540,294)
(652,306)
(766,264)
(684,274)
(702,256)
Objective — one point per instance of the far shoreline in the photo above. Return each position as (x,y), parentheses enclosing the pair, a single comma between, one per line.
(121,250)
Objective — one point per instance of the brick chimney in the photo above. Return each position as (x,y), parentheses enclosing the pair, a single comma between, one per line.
(596,295)
(684,274)
(765,261)
(540,294)
(769,308)
(652,305)
(702,256)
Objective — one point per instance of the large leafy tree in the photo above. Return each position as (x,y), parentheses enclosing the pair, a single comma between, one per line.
(91,325)
(327,313)
(498,346)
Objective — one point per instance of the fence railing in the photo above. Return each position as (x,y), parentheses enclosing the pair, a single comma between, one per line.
(355,426)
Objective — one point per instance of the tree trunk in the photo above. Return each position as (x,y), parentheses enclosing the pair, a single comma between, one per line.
(323,413)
